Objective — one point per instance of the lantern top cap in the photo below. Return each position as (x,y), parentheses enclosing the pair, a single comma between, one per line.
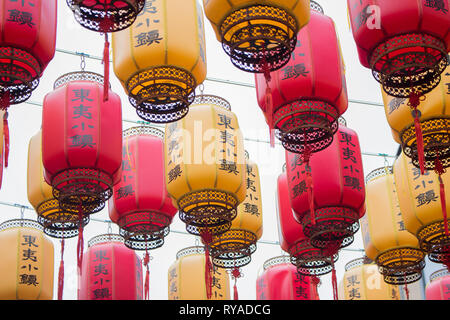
(342,121)
(104,238)
(380,172)
(357,263)
(439,274)
(78,76)
(276,261)
(21,223)
(189,251)
(212,99)
(316,7)
(143,130)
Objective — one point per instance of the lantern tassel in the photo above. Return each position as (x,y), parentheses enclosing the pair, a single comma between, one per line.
(334,281)
(309,184)
(268,99)
(406,288)
(6,137)
(106,69)
(61,272)
(330,251)
(414,102)
(147,275)
(236,274)
(207,237)
(80,244)
(439,169)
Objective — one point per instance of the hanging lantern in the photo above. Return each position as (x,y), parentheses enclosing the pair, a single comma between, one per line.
(405,45)
(110,270)
(258,36)
(27,261)
(161,59)
(386,241)
(81,144)
(4,144)
(424,207)
(328,194)
(205,166)
(309,93)
(186,279)
(362,281)
(233,248)
(439,286)
(142,210)
(281,281)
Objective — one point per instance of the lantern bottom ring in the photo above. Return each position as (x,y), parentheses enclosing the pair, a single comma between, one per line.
(436,141)
(433,241)
(82,189)
(401,265)
(58,223)
(306,123)
(207,210)
(233,249)
(409,62)
(332,225)
(96,15)
(259,38)
(144,240)
(161,94)
(309,260)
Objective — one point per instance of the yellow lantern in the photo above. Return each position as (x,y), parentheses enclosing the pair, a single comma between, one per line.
(161,58)
(259,36)
(386,241)
(362,281)
(57,223)
(432,121)
(421,204)
(26,265)
(205,166)
(186,277)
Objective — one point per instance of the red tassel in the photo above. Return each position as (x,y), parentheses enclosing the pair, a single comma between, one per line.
(61,273)
(269,112)
(443,206)
(147,275)
(334,281)
(406,289)
(80,245)
(236,274)
(6,137)
(106,69)
(5,100)
(207,237)
(309,184)
(414,102)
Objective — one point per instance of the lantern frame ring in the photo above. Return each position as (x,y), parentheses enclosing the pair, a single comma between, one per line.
(434,242)
(309,260)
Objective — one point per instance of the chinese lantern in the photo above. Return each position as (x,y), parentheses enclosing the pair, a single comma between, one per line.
(281,281)
(405,45)
(259,36)
(233,248)
(4,140)
(422,206)
(111,271)
(27,261)
(106,16)
(439,286)
(308,260)
(81,144)
(161,59)
(328,195)
(186,279)
(309,93)
(362,281)
(386,241)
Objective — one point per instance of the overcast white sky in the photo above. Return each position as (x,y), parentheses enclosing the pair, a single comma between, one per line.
(367,120)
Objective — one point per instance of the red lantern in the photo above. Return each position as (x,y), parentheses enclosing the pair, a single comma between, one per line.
(81,143)
(110,271)
(439,287)
(405,44)
(281,281)
(304,99)
(330,204)
(27,45)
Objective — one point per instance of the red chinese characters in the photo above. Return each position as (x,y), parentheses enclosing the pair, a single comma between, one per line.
(141,205)
(336,190)
(110,271)
(304,99)
(281,281)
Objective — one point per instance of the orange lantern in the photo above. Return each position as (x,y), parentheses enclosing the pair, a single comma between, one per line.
(27,261)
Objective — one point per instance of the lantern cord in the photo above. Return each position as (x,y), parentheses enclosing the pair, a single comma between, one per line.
(80,239)
(414,102)
(106,69)
(207,237)
(236,274)
(406,288)
(61,272)
(147,274)
(309,182)
(268,100)
(334,280)
(331,251)
(439,169)
(6,137)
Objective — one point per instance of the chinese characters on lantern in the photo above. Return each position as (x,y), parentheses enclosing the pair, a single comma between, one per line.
(101,282)
(353,287)
(127,175)
(22,17)
(228,141)
(424,187)
(149,36)
(302,287)
(173,280)
(29,261)
(82,128)
(174,151)
(351,166)
(251,201)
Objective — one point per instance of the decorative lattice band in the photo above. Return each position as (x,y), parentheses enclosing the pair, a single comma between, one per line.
(316,7)
(212,100)
(189,251)
(379,172)
(259,37)
(106,16)
(439,274)
(433,240)
(78,76)
(20,223)
(275,261)
(310,261)
(409,62)
(105,238)
(143,130)
(144,241)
